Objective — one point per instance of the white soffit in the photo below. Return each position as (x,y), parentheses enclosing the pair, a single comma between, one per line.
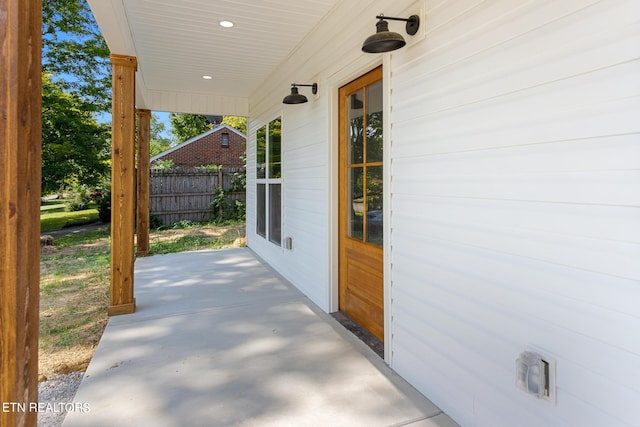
(176,42)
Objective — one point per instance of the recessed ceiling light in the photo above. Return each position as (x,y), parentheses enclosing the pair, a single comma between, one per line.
(207,77)
(226,24)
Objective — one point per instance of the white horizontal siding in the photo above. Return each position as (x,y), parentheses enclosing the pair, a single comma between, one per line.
(479,328)
(557,247)
(516,209)
(458,289)
(515,198)
(304,199)
(330,56)
(457,221)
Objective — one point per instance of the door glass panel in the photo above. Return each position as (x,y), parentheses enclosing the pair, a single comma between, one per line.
(374,123)
(355,203)
(374,205)
(274,149)
(261,152)
(355,107)
(275,197)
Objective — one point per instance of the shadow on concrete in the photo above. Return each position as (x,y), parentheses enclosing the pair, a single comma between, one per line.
(220,339)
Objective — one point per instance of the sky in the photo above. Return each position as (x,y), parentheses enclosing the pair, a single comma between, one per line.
(164,118)
(161,115)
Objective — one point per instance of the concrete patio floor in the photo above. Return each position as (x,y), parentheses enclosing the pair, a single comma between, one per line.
(220,339)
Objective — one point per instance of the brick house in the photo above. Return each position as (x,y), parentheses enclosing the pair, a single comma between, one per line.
(222,145)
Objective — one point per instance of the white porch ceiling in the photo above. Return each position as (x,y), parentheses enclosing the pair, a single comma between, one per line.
(176,42)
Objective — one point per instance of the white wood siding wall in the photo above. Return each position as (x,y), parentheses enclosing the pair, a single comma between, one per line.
(515,209)
(331,57)
(515,198)
(304,195)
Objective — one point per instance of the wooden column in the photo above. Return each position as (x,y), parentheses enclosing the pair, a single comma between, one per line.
(20,165)
(142,223)
(123,189)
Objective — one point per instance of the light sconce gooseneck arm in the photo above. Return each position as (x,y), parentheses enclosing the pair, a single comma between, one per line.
(313,86)
(413,22)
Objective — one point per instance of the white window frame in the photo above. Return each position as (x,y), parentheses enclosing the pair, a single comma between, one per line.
(268,181)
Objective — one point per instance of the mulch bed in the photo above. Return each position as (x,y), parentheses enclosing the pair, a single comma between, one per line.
(365,336)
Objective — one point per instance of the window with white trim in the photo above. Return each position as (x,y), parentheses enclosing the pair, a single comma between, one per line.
(269,182)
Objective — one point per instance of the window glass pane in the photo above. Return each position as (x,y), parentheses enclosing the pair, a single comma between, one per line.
(225,139)
(275,231)
(261,212)
(374,123)
(355,131)
(261,153)
(374,205)
(274,149)
(355,202)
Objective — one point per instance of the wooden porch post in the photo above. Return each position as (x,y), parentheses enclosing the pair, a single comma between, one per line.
(122,184)
(20,165)
(142,223)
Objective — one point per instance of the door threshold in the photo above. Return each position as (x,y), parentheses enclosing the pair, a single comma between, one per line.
(361,333)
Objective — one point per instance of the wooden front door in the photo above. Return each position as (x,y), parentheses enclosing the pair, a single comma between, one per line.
(360,205)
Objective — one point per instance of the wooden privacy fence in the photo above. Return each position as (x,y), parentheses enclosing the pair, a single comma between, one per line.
(186,194)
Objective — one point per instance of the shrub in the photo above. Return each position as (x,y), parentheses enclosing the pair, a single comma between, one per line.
(223,211)
(240,211)
(239,182)
(80,198)
(155,222)
(219,206)
(103,201)
(162,164)
(184,223)
(209,167)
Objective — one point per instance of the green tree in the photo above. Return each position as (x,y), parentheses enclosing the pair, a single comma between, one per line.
(76,89)
(75,147)
(75,53)
(237,122)
(186,126)
(158,142)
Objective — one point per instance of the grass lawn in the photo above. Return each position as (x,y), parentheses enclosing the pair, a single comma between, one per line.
(74,294)
(52,218)
(52,206)
(74,288)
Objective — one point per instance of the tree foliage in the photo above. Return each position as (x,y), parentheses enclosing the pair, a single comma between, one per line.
(237,122)
(158,143)
(76,88)
(75,53)
(186,126)
(75,146)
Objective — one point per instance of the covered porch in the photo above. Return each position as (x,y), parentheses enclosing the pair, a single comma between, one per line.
(220,338)
(509,198)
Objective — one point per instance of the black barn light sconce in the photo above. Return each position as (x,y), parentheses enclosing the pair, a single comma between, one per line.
(386,41)
(295,98)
